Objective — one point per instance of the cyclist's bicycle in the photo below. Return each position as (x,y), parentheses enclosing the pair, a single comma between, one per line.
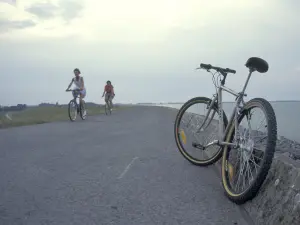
(108,107)
(74,108)
(232,135)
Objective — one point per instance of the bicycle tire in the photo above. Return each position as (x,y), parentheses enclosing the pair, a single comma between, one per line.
(69,111)
(106,109)
(110,107)
(253,189)
(180,147)
(82,109)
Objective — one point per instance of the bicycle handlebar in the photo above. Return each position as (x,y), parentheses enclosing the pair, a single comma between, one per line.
(218,69)
(73,90)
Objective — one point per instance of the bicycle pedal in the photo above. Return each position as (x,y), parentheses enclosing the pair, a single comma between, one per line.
(198,146)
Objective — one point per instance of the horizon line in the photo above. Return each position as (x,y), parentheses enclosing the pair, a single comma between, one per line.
(137,103)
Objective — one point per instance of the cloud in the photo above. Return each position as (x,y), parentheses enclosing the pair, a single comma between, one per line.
(7,25)
(147,44)
(70,9)
(43,10)
(66,9)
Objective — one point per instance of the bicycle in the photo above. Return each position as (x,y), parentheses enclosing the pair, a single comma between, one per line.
(79,108)
(108,107)
(230,136)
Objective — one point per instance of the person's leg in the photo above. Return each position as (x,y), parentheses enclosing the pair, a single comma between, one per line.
(111,98)
(82,95)
(106,97)
(80,98)
(81,101)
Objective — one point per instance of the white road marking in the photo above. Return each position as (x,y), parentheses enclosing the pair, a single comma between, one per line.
(127,167)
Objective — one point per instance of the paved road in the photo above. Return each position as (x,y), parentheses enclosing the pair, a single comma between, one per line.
(123,169)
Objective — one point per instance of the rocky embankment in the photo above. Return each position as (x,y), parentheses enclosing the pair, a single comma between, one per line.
(278,201)
(288,147)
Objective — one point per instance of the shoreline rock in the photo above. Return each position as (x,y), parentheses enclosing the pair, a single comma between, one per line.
(288,147)
(278,201)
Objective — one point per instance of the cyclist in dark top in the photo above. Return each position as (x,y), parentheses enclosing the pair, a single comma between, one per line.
(108,92)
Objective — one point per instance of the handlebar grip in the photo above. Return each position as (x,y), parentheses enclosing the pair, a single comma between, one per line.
(205,66)
(230,71)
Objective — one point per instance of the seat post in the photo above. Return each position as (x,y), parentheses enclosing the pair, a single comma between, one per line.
(251,70)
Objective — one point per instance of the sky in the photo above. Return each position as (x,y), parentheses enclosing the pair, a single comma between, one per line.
(148,49)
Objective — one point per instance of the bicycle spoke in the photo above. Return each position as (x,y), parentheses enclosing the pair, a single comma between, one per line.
(240,173)
(253,161)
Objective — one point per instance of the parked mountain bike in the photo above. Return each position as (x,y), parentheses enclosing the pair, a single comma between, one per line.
(246,157)
(74,108)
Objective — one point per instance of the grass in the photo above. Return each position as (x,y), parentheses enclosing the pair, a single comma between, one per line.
(44,114)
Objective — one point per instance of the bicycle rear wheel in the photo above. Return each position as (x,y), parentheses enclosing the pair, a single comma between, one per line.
(252,160)
(194,119)
(72,110)
(82,110)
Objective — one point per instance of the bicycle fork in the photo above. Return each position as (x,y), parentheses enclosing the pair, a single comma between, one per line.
(207,115)
(209,107)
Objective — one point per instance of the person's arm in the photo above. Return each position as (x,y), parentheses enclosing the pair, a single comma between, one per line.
(113,90)
(82,85)
(103,92)
(70,83)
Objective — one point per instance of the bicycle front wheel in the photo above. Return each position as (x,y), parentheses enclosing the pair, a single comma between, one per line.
(72,110)
(245,168)
(190,121)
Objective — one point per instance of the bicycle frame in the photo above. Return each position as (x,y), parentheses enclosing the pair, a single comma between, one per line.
(233,118)
(75,94)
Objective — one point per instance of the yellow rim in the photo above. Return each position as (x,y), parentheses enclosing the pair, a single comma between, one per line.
(226,166)
(231,171)
(183,136)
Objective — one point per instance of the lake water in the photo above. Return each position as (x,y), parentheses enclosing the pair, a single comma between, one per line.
(287,115)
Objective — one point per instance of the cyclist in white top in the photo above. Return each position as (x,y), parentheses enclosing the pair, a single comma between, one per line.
(79,83)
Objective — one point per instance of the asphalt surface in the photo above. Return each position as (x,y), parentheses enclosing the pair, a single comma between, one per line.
(121,169)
